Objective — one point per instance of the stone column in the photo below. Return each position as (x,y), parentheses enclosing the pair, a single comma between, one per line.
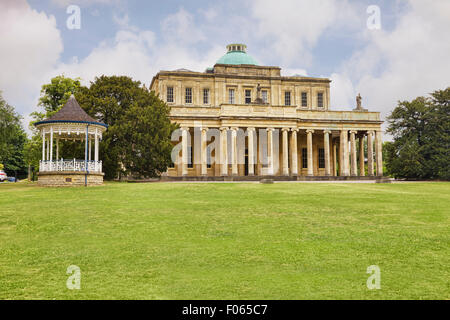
(43,145)
(184,151)
(370,153)
(251,151)
(204,143)
(294,159)
(353,168)
(326,146)
(234,167)
(361,155)
(270,151)
(334,158)
(223,151)
(285,152)
(379,153)
(57,149)
(309,146)
(343,151)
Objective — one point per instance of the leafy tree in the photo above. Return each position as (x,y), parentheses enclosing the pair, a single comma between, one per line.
(421,132)
(55,94)
(137,141)
(12,139)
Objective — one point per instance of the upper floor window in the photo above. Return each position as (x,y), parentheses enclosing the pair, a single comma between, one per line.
(231,99)
(320,100)
(188,96)
(205,96)
(321,158)
(248,96)
(169,94)
(264,96)
(287,98)
(304,99)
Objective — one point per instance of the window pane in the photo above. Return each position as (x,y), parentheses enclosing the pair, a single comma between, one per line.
(287,98)
(188,97)
(264,96)
(320,100)
(321,158)
(231,96)
(304,99)
(304,158)
(169,94)
(205,96)
(248,96)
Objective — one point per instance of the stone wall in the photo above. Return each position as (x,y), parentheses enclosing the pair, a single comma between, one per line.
(68,179)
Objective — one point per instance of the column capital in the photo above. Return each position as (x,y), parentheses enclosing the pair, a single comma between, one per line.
(251,129)
(285,129)
(309,130)
(223,128)
(270,129)
(353,131)
(327,131)
(295,129)
(234,128)
(204,129)
(371,132)
(184,128)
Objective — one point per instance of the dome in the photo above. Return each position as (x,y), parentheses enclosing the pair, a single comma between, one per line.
(237,55)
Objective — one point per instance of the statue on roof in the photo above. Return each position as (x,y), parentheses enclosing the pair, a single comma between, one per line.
(358,103)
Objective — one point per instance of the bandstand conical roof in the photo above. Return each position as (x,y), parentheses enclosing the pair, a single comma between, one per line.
(71,112)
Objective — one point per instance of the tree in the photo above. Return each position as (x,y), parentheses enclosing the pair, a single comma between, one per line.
(12,139)
(421,132)
(55,94)
(137,141)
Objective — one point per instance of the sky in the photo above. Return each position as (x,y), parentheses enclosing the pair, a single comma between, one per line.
(404,56)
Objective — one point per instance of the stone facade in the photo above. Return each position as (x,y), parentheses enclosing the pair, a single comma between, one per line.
(244,120)
(68,179)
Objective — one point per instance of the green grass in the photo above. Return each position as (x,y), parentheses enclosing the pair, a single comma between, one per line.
(225,241)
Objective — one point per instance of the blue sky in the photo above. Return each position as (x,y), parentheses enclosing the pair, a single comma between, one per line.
(405,58)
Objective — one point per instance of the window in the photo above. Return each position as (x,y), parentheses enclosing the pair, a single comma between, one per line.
(287,98)
(304,158)
(264,96)
(205,96)
(208,156)
(169,94)
(188,96)
(231,96)
(190,164)
(248,96)
(320,100)
(304,99)
(321,158)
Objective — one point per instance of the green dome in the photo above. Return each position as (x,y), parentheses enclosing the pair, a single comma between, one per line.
(236,55)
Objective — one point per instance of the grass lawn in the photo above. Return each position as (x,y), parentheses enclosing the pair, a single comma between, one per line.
(225,241)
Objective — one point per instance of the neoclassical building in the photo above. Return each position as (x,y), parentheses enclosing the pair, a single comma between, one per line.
(241,119)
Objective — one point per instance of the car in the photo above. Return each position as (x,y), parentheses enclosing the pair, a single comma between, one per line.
(3,176)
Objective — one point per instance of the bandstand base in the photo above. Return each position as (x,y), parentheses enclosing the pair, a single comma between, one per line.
(69,179)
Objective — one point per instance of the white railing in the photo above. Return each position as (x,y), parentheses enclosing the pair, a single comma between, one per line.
(70,165)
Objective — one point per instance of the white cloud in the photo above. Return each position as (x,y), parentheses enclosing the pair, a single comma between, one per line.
(291,28)
(30,45)
(409,61)
(83,3)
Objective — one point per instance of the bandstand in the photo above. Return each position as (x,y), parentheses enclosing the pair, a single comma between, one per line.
(70,123)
